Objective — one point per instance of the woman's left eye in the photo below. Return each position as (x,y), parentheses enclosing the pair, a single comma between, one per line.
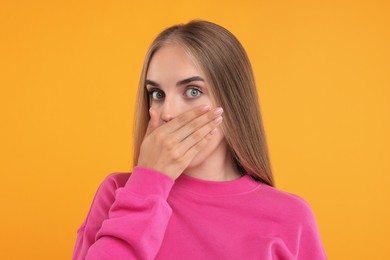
(193,92)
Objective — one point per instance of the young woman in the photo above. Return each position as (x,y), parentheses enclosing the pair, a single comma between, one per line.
(202,186)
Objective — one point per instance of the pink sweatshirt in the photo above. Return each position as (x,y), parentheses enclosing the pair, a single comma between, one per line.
(148,215)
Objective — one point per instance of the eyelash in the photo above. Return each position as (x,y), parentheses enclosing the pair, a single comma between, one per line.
(157,90)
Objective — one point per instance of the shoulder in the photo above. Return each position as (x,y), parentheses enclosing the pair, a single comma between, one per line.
(287,205)
(296,221)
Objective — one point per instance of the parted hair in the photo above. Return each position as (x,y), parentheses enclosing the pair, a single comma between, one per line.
(229,73)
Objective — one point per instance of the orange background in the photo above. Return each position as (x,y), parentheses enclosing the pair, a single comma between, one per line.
(69,71)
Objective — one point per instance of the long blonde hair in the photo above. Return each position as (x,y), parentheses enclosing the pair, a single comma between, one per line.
(229,73)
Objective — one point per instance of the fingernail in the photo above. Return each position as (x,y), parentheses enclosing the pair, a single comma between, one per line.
(218,120)
(213,131)
(218,111)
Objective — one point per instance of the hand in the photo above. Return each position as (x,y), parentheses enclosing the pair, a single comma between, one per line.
(170,148)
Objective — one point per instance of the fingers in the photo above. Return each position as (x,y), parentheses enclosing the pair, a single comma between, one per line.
(204,132)
(185,118)
(174,144)
(154,121)
(199,146)
(181,127)
(197,123)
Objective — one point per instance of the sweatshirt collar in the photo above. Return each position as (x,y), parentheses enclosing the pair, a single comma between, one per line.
(241,185)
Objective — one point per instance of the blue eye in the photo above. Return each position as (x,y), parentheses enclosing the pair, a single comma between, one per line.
(156,94)
(193,92)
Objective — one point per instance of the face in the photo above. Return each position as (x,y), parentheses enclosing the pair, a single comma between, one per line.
(176,85)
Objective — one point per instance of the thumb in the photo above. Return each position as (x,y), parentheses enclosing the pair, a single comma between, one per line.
(154,121)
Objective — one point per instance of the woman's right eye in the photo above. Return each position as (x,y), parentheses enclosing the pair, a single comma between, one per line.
(156,94)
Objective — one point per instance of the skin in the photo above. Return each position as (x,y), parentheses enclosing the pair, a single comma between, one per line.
(182,135)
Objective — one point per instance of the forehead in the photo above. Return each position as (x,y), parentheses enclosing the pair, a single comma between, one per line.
(172,62)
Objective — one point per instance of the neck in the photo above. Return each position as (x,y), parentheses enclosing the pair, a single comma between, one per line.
(219,166)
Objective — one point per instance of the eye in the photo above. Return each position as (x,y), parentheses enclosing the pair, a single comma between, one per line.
(156,94)
(193,92)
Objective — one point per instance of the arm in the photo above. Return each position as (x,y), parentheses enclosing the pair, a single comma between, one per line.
(310,244)
(135,223)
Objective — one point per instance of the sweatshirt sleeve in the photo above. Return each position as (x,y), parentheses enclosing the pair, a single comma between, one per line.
(133,225)
(309,241)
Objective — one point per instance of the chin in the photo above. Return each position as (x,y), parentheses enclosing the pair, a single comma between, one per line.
(198,160)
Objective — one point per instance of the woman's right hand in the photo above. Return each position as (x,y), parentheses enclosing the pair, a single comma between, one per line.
(170,148)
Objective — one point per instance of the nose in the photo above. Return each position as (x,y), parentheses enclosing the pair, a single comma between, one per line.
(169,110)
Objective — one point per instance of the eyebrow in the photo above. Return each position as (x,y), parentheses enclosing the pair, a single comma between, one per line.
(179,83)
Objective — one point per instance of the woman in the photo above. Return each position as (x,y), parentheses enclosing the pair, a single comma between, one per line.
(202,186)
